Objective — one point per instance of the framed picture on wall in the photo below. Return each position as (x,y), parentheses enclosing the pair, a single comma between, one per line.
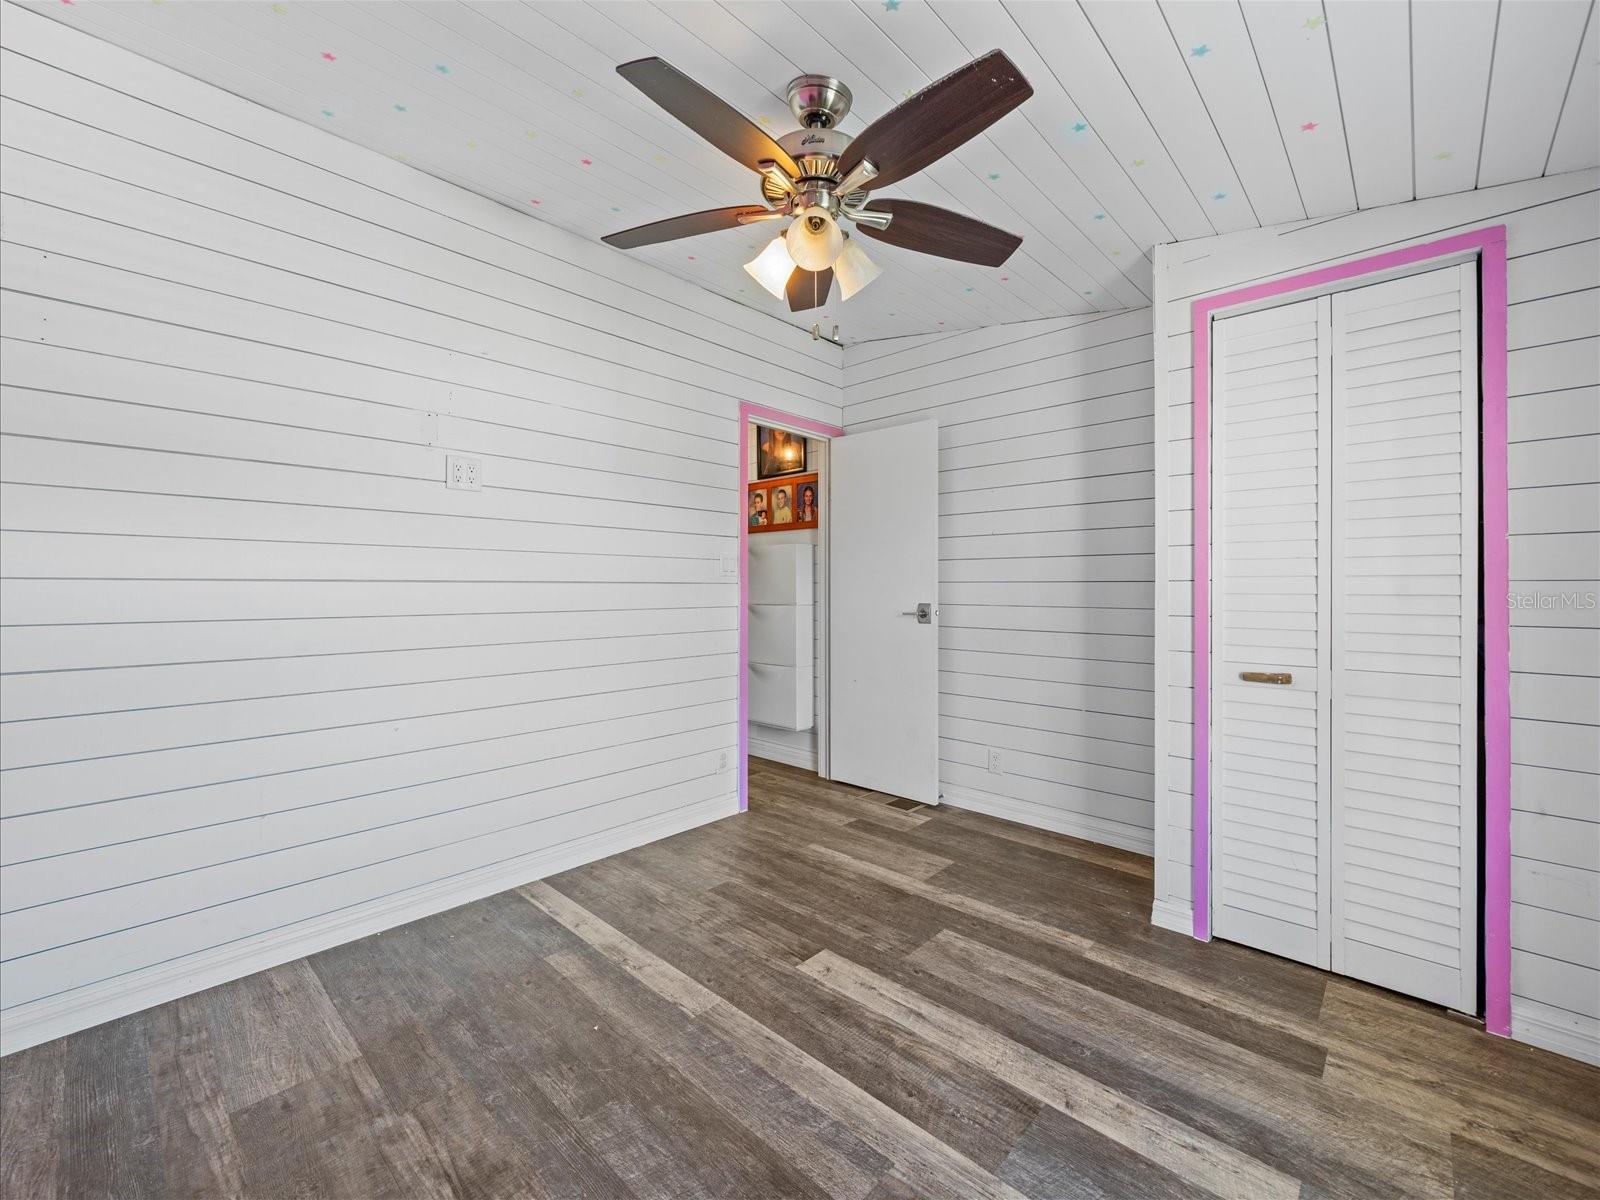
(792,504)
(780,500)
(779,452)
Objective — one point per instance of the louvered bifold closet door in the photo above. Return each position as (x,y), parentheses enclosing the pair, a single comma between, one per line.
(1405,630)
(1269,741)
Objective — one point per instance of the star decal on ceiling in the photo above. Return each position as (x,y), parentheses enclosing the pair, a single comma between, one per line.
(1441,156)
(327,112)
(588,162)
(1314,22)
(993,175)
(1308,127)
(1080,127)
(330,56)
(1138,162)
(400,108)
(891,5)
(1219,195)
(1199,51)
(441,68)
(1099,216)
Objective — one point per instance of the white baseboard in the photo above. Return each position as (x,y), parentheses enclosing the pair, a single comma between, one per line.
(795,756)
(1555,1029)
(1054,820)
(1176,915)
(29,1024)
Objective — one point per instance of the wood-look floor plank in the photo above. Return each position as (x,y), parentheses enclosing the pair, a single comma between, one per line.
(812,1143)
(1285,1118)
(780,783)
(1484,1173)
(336,1134)
(110,1135)
(1153,1135)
(32,1094)
(272,1031)
(197,1139)
(924,1160)
(973,1113)
(1065,1159)
(1110,857)
(1088,962)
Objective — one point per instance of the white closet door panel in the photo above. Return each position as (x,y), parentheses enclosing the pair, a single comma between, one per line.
(1270,760)
(1403,683)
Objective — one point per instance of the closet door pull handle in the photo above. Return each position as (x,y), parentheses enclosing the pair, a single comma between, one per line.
(1266,676)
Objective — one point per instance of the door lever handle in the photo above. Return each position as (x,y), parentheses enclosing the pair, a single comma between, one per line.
(922,612)
(1266,676)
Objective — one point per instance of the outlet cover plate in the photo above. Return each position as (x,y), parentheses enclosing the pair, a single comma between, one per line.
(463,474)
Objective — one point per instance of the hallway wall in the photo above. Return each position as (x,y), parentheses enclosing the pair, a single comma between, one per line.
(1046,560)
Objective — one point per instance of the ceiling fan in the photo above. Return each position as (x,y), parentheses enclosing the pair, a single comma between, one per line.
(823,178)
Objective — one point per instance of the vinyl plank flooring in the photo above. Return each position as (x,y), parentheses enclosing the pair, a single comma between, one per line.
(273,1031)
(833,995)
(32,1094)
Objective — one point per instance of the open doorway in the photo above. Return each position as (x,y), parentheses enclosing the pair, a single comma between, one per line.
(787,516)
(802,742)
(838,602)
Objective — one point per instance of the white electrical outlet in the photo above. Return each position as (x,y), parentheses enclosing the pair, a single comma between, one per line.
(995,767)
(463,474)
(723,762)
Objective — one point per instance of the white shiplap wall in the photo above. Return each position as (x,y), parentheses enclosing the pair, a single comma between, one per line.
(1554,416)
(269,685)
(1045,547)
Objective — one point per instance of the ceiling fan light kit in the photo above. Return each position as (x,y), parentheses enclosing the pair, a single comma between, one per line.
(823,178)
(772,267)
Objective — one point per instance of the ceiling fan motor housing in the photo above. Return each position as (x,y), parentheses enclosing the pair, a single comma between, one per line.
(815,151)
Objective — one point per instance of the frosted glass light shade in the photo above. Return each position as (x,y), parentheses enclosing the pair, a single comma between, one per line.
(814,249)
(772,267)
(853,269)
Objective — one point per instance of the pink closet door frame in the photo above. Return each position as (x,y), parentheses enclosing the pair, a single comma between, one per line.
(772,416)
(1489,247)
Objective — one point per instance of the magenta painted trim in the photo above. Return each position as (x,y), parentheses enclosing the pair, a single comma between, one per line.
(1490,246)
(748,413)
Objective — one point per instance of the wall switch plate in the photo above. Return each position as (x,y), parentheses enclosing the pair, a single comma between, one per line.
(728,566)
(995,767)
(463,474)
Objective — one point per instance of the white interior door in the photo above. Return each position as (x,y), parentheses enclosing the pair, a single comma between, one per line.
(1405,635)
(884,656)
(1345,633)
(1269,742)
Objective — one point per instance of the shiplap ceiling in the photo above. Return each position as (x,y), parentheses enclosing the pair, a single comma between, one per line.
(1150,123)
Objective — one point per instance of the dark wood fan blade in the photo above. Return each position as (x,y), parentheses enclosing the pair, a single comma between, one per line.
(688,225)
(712,117)
(933,230)
(808,289)
(939,118)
